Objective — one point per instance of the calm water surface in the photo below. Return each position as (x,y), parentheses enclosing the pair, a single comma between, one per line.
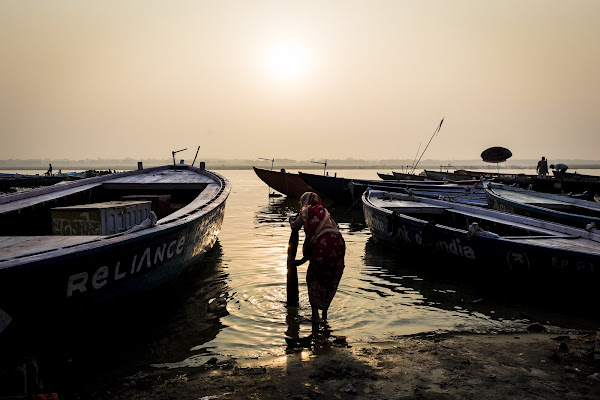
(233,305)
(382,293)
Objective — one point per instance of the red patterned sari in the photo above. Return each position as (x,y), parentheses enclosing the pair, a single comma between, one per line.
(325,248)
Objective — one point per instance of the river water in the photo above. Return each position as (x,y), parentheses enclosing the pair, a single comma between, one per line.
(233,304)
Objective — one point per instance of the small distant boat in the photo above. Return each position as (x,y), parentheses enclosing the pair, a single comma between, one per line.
(72,176)
(291,185)
(401,176)
(494,240)
(387,177)
(552,207)
(454,176)
(71,247)
(8,181)
(405,176)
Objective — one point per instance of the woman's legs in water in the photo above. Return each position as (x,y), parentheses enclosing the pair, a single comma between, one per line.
(315,314)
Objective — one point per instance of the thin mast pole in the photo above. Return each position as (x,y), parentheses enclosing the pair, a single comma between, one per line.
(196,156)
(436,131)
(416,154)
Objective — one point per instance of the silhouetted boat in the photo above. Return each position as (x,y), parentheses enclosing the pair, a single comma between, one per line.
(404,176)
(454,176)
(401,176)
(292,185)
(67,248)
(8,181)
(346,191)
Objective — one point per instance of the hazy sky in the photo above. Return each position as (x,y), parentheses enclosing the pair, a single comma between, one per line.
(299,79)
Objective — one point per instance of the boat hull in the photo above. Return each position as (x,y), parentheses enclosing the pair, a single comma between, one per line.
(286,183)
(483,254)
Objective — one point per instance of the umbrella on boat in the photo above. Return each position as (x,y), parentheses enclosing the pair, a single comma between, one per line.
(496,155)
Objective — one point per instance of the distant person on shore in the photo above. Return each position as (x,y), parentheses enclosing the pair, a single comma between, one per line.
(325,248)
(542,168)
(49,172)
(559,170)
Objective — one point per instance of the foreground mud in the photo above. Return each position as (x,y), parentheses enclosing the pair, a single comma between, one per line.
(466,366)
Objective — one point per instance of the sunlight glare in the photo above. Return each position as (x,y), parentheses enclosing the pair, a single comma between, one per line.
(287,60)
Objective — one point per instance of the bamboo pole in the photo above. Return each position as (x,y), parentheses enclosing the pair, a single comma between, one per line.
(292,270)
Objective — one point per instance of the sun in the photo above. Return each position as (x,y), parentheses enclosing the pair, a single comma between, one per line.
(287,60)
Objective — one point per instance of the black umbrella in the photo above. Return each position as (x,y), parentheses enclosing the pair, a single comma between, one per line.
(496,155)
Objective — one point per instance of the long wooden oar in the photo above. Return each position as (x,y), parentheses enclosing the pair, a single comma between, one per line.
(292,270)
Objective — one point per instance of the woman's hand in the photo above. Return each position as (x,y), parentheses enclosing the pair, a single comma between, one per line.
(294,223)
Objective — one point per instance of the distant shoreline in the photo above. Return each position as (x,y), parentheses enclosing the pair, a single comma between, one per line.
(382,168)
(398,165)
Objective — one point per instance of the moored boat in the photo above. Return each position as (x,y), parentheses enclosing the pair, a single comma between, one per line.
(387,177)
(8,181)
(553,207)
(473,195)
(291,185)
(68,248)
(490,240)
(347,191)
(454,176)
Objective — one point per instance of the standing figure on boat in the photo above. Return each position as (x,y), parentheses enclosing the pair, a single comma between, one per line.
(49,172)
(542,168)
(325,248)
(559,170)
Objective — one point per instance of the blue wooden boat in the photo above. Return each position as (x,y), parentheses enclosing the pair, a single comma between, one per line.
(489,240)
(68,248)
(552,207)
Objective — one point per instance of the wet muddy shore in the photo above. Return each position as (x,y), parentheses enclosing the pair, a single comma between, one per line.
(512,365)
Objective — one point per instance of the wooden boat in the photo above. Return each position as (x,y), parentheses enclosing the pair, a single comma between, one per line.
(498,242)
(72,247)
(346,191)
(461,174)
(387,177)
(8,181)
(473,195)
(332,187)
(558,208)
(454,176)
(571,183)
(401,176)
(567,185)
(291,185)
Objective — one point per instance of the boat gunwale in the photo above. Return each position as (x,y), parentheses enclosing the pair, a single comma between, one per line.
(558,214)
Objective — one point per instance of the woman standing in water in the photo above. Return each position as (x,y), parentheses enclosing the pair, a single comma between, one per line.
(325,248)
